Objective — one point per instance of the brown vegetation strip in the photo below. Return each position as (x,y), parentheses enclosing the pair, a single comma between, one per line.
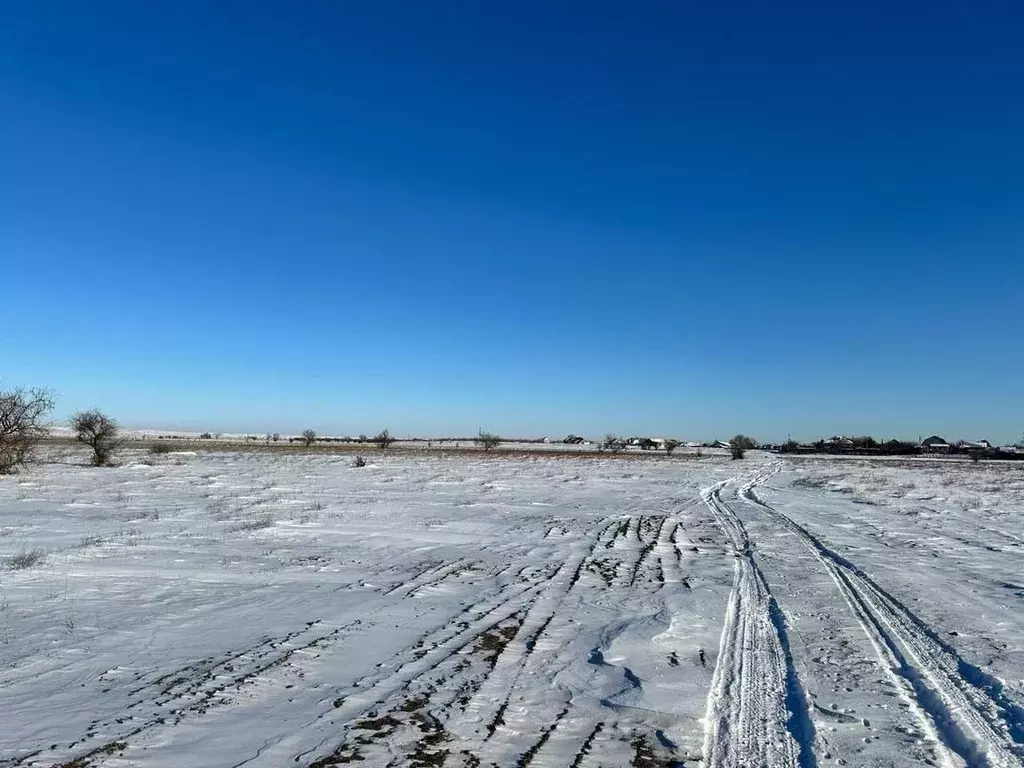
(369,449)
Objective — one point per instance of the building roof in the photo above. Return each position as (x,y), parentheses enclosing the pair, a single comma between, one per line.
(979,444)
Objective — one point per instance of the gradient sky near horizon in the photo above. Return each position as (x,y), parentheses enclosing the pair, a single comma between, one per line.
(678,218)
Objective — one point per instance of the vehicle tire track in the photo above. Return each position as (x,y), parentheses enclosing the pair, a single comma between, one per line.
(748,722)
(534,605)
(193,690)
(516,657)
(964,710)
(430,576)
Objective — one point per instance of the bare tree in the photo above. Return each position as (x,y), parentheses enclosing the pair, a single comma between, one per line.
(383,439)
(308,437)
(613,443)
(23,415)
(487,441)
(739,445)
(671,445)
(99,432)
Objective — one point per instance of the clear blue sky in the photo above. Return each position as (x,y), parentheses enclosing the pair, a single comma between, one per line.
(687,218)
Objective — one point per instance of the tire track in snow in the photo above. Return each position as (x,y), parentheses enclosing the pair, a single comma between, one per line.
(630,543)
(429,577)
(587,745)
(748,722)
(648,536)
(193,690)
(964,710)
(534,604)
(497,689)
(515,659)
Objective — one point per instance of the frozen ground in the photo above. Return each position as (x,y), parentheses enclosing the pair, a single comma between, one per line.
(272,609)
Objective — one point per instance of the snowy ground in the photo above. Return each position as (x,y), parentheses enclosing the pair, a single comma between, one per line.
(278,609)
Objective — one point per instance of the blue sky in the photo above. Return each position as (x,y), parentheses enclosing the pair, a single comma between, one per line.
(679,218)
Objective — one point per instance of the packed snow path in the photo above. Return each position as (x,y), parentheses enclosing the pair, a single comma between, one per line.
(961,707)
(292,610)
(747,715)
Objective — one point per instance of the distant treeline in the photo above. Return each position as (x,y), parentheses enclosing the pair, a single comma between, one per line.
(866,446)
(869,446)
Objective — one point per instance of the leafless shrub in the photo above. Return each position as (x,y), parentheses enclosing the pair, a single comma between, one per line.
(359,462)
(613,443)
(487,441)
(24,558)
(383,439)
(256,524)
(739,445)
(308,437)
(159,448)
(671,445)
(23,415)
(810,482)
(99,432)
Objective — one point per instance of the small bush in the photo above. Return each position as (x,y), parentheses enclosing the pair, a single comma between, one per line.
(613,443)
(308,437)
(671,445)
(206,436)
(739,445)
(487,441)
(383,439)
(359,462)
(159,448)
(256,524)
(24,558)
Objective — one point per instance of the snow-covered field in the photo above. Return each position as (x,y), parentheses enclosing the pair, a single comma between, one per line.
(286,609)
